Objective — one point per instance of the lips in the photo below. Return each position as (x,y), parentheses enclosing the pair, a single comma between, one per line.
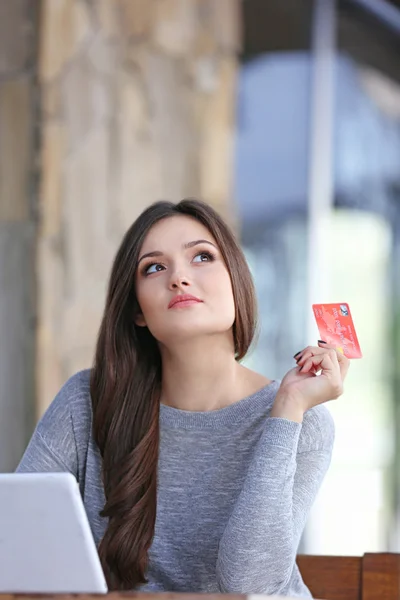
(183,300)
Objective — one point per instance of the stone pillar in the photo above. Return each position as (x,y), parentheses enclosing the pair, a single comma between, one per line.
(138,105)
(18,123)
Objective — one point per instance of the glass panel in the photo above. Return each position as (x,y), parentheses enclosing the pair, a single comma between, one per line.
(272,171)
(363,237)
(355,491)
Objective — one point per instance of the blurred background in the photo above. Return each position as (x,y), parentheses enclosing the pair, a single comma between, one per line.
(284,115)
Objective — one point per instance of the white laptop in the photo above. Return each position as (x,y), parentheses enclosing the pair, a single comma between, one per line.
(46,544)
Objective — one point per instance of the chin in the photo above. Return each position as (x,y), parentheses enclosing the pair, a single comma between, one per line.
(186,332)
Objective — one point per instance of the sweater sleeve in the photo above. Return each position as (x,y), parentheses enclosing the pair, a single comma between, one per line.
(257,552)
(53,445)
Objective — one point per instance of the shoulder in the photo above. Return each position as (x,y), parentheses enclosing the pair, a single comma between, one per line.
(318,430)
(71,405)
(78,384)
(76,391)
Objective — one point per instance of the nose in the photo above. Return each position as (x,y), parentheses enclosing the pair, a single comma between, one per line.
(178,281)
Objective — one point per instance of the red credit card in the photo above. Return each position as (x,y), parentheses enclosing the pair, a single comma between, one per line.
(336,327)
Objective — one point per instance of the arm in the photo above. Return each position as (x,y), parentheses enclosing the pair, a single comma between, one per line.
(258,548)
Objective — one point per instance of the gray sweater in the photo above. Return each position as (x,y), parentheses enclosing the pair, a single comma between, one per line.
(235,487)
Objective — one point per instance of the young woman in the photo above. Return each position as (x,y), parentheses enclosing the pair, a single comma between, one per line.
(197,474)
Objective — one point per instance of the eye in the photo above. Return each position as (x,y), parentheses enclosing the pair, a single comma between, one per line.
(153,268)
(203,257)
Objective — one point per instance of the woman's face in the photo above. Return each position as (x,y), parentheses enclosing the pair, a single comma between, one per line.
(182,284)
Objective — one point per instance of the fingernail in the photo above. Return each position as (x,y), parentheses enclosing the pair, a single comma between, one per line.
(297,353)
(321,342)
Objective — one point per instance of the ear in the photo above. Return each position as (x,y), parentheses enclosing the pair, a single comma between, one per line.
(139,320)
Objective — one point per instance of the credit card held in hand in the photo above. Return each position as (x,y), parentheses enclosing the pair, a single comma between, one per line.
(336,327)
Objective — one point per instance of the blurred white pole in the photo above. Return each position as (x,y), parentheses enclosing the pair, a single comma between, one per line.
(321,187)
(320,190)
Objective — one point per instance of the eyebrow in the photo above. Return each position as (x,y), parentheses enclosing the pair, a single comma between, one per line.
(184,246)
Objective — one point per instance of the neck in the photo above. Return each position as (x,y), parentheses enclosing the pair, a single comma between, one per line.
(199,375)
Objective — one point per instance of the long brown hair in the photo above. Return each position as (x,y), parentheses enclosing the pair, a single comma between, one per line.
(125,391)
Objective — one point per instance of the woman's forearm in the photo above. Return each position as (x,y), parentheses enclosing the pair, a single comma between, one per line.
(258,548)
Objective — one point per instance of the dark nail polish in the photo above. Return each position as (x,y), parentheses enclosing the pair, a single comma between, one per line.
(321,342)
(297,353)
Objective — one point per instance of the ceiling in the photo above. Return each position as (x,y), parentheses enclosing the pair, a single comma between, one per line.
(286,25)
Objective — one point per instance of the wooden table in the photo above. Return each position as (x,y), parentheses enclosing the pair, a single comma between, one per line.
(369,577)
